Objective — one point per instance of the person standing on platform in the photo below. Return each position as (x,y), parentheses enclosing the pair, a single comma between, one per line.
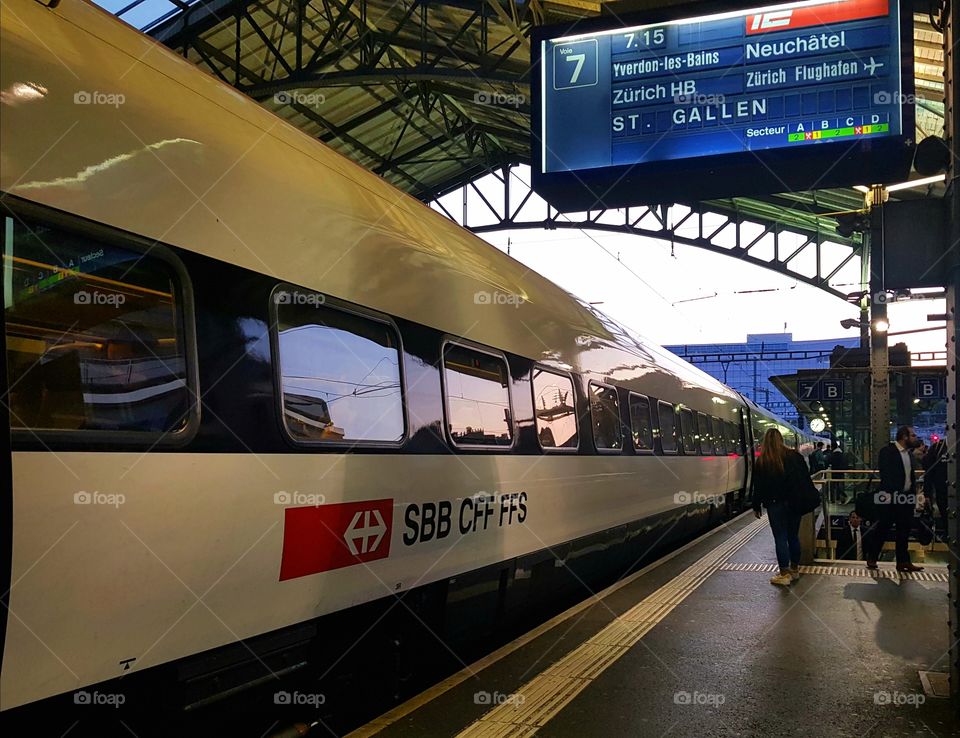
(774,484)
(935,477)
(838,464)
(896,499)
(818,460)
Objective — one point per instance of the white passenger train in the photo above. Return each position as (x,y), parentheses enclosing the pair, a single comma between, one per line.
(253,391)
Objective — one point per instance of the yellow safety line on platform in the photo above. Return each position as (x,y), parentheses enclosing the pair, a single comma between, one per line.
(548,693)
(936,573)
(414,703)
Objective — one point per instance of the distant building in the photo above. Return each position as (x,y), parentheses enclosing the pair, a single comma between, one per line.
(747,367)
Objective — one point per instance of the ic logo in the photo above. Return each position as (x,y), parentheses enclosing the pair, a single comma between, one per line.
(769,21)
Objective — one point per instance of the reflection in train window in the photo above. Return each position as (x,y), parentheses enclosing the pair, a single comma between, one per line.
(94,334)
(555,409)
(339,373)
(605,417)
(688,431)
(738,435)
(478,398)
(640,423)
(759,428)
(706,434)
(719,437)
(733,429)
(668,427)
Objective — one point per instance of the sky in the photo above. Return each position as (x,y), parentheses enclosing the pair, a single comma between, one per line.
(687,295)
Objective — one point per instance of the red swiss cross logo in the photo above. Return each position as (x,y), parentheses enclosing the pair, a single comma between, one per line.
(326,537)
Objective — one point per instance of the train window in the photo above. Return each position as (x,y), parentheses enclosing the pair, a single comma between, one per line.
(706,434)
(758,431)
(478,397)
(554,404)
(719,437)
(605,417)
(668,427)
(688,432)
(339,373)
(95,335)
(640,424)
(733,438)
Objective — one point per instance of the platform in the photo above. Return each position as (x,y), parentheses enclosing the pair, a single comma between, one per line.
(701,643)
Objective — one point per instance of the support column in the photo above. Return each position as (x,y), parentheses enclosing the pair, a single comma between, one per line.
(951,120)
(879,356)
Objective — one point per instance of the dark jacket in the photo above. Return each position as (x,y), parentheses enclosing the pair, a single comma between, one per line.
(890,465)
(846,545)
(935,464)
(838,460)
(766,487)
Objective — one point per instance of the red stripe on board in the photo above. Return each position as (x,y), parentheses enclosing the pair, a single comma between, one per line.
(816,15)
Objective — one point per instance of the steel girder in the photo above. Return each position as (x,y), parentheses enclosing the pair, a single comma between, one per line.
(410,89)
(506,202)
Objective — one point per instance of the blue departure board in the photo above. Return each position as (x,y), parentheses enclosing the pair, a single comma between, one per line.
(804,76)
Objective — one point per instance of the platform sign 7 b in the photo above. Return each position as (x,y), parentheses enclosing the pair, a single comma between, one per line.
(831,390)
(808,389)
(575,64)
(930,388)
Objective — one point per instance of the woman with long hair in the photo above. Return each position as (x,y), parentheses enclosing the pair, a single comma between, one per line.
(774,486)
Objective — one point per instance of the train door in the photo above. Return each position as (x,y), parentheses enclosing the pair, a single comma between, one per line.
(748,443)
(6,459)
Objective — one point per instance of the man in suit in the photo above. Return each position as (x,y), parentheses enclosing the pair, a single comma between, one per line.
(896,498)
(851,539)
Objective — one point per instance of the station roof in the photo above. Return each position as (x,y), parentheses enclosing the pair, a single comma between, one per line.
(404,87)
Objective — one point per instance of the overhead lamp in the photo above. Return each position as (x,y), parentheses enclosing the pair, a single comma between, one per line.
(922,182)
(881,325)
(917,183)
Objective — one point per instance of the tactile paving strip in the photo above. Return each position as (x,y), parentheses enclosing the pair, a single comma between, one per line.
(540,699)
(934,575)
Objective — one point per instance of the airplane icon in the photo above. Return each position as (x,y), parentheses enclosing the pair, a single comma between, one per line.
(873,66)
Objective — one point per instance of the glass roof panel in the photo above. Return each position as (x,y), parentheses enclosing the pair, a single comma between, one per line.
(144,14)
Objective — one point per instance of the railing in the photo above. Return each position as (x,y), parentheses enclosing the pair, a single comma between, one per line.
(840,488)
